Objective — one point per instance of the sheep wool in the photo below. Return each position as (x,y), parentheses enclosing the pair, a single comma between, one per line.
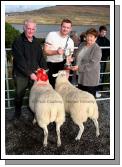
(80,104)
(47,106)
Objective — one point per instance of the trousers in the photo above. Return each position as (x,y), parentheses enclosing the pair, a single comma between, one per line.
(90,89)
(53,69)
(21,84)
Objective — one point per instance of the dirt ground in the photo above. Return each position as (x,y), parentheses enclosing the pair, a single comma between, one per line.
(24,138)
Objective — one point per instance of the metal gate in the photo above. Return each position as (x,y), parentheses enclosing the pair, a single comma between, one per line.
(10,89)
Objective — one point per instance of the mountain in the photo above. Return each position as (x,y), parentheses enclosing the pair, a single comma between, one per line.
(79,14)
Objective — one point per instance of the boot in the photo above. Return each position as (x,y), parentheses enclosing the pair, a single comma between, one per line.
(17,113)
(18,105)
(32,115)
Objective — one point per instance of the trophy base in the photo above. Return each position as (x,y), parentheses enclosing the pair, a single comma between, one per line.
(67,66)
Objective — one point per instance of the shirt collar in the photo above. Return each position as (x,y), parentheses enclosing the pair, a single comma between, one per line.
(25,38)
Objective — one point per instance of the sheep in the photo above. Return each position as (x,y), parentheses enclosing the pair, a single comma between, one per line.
(47,106)
(80,104)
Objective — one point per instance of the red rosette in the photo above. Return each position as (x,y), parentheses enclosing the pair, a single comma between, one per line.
(41,75)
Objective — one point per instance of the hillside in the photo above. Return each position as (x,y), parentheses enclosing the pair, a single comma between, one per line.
(80,15)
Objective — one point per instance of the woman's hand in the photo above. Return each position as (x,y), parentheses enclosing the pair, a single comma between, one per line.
(74,68)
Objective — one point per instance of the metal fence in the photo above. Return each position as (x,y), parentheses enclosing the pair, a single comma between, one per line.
(10,90)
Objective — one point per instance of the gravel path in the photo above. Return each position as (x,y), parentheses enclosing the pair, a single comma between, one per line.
(23,138)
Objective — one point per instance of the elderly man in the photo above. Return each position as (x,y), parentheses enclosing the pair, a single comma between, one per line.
(27,57)
(57,43)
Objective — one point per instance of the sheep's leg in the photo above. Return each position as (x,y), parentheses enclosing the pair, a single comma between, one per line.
(45,136)
(97,126)
(58,134)
(80,132)
(44,127)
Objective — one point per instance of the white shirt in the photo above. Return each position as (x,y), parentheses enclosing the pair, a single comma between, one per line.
(56,41)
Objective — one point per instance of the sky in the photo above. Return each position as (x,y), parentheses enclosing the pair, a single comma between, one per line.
(21,8)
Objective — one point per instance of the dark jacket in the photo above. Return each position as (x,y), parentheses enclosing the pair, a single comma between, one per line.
(27,56)
(103,41)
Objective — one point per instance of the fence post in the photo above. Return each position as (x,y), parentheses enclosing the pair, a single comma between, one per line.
(7,83)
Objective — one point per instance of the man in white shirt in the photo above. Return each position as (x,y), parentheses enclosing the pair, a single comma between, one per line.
(55,46)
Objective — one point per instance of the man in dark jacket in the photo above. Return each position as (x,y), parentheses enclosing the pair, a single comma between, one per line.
(103,41)
(27,57)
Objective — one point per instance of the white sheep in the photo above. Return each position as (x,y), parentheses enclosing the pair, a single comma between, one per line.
(80,104)
(48,107)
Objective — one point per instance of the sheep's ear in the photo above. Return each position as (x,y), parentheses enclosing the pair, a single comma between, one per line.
(46,70)
(55,75)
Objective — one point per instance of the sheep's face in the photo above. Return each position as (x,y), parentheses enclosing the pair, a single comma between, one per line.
(62,74)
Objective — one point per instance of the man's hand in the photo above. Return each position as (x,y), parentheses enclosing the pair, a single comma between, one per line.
(60,51)
(33,76)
